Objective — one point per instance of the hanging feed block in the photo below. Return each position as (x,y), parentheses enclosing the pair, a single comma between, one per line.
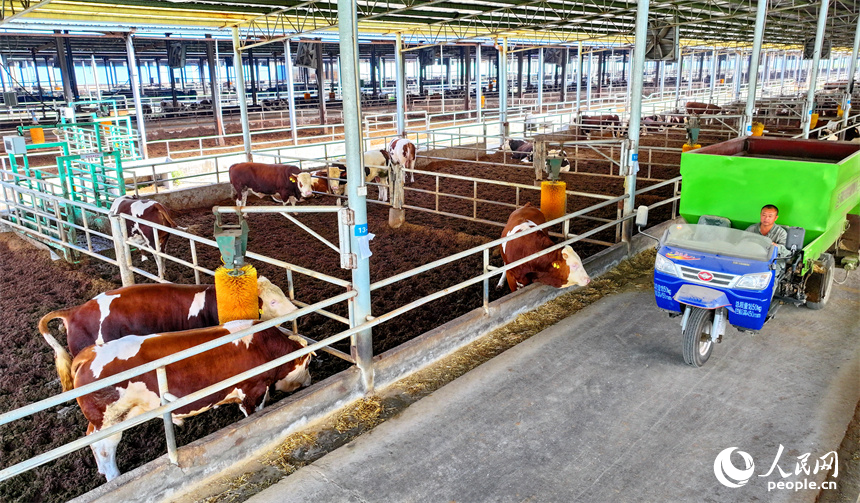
(687,147)
(37,134)
(236,294)
(553,199)
(757,129)
(813,120)
(839,111)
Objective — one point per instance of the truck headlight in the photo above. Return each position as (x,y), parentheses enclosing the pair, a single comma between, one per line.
(665,266)
(755,281)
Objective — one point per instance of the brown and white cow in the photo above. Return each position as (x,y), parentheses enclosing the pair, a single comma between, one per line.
(697,108)
(142,234)
(127,399)
(376,166)
(561,268)
(276,180)
(327,181)
(402,153)
(600,123)
(146,309)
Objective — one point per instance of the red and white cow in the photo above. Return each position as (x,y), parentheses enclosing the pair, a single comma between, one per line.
(142,234)
(561,268)
(697,108)
(287,182)
(600,123)
(402,152)
(327,181)
(127,399)
(146,309)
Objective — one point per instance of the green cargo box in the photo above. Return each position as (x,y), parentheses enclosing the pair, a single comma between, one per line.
(814,183)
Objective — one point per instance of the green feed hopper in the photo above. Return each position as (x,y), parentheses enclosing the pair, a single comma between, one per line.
(814,183)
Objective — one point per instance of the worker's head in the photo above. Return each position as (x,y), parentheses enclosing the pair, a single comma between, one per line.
(769,214)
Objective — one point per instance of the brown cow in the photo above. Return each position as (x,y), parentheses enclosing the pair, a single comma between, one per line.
(146,309)
(694,107)
(282,180)
(561,268)
(600,123)
(402,152)
(142,234)
(135,396)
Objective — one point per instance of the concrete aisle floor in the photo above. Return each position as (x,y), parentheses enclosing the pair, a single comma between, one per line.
(602,408)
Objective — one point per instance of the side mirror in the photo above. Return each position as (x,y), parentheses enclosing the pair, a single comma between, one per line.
(642,216)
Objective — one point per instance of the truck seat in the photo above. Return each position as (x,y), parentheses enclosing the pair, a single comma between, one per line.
(714,220)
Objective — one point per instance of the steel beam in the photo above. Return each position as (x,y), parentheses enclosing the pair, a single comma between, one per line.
(291,92)
(852,67)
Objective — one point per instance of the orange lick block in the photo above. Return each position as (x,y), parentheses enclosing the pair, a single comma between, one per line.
(553,199)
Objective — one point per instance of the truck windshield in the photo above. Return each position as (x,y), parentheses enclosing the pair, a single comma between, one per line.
(719,241)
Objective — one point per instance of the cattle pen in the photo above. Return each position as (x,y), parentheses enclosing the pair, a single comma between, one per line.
(384,286)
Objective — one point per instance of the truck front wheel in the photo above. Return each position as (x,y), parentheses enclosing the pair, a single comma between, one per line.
(697,336)
(820,284)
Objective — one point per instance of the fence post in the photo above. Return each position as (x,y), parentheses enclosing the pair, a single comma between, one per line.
(166,397)
(118,234)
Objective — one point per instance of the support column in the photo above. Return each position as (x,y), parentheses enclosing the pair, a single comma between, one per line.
(662,79)
(738,74)
(578,76)
(252,75)
(714,59)
(70,65)
(745,128)
(400,84)
(214,89)
(630,162)
(466,80)
(172,76)
(95,70)
(36,69)
(240,93)
(564,61)
(320,70)
(133,82)
(852,67)
(503,87)
(540,80)
(520,74)
(291,92)
(679,75)
(813,71)
(64,70)
(782,72)
(479,92)
(362,343)
(588,80)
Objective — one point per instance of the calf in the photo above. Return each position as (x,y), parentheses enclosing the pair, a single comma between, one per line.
(402,153)
(521,150)
(282,180)
(140,394)
(144,309)
(142,234)
(600,123)
(327,181)
(561,268)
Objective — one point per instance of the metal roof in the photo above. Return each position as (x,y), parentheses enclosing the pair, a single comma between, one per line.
(524,22)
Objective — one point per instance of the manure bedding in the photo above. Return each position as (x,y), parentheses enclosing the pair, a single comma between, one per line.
(31,285)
